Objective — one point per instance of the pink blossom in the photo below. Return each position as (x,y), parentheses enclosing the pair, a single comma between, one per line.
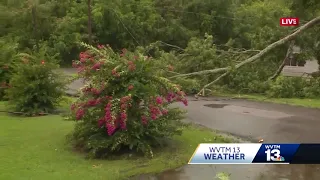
(154,110)
(73,106)
(123,116)
(100,46)
(96,66)
(108,116)
(123,106)
(125,99)
(132,67)
(79,114)
(95,91)
(164,111)
(110,128)
(159,100)
(153,116)
(93,102)
(123,124)
(185,102)
(101,122)
(144,120)
(130,87)
(170,96)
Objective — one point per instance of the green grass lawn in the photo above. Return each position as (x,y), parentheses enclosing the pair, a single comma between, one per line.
(313,103)
(35,148)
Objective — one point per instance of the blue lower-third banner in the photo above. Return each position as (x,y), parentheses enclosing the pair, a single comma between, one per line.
(256,153)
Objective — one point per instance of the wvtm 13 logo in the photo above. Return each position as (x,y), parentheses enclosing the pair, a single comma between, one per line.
(273,153)
(289,21)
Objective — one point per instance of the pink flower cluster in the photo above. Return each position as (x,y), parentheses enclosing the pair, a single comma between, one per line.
(79,113)
(111,122)
(94,91)
(85,61)
(179,96)
(109,119)
(96,66)
(93,102)
(155,109)
(124,104)
(144,120)
(115,73)
(131,66)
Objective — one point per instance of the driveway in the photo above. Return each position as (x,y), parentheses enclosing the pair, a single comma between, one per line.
(250,121)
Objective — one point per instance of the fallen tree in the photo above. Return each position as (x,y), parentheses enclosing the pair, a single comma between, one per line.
(253,58)
(279,70)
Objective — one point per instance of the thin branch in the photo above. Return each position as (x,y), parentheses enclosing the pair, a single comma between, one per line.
(171,45)
(201,72)
(216,80)
(289,52)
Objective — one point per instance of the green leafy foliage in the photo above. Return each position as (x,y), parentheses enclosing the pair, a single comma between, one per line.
(233,26)
(6,65)
(35,87)
(288,87)
(125,106)
(190,86)
(313,89)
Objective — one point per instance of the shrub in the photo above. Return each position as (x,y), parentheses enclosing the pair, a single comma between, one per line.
(125,106)
(288,87)
(8,50)
(35,87)
(313,88)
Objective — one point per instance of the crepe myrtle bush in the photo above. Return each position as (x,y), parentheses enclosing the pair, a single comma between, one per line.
(124,105)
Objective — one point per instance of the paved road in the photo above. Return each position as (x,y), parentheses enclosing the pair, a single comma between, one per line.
(251,121)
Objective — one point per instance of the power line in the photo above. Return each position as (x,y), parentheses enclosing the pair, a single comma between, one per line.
(180,11)
(126,28)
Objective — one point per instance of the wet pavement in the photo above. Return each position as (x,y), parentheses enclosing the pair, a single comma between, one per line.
(275,123)
(252,121)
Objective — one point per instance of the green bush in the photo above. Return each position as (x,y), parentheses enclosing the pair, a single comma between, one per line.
(288,87)
(35,87)
(126,104)
(313,88)
(8,51)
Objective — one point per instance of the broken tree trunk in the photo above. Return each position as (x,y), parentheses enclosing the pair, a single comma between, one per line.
(289,53)
(260,54)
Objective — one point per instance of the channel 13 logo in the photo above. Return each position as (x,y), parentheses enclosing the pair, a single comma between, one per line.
(273,153)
